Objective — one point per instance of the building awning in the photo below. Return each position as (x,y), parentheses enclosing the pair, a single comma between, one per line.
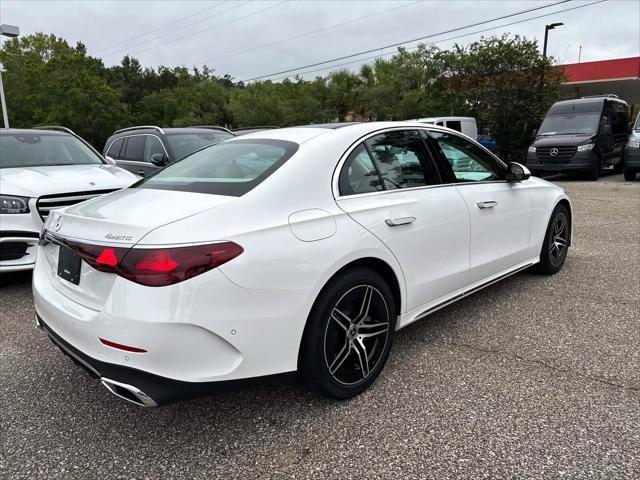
(619,76)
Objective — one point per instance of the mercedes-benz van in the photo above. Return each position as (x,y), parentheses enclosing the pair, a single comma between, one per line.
(581,136)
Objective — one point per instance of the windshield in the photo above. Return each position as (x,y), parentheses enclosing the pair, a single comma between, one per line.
(637,125)
(229,168)
(184,144)
(570,123)
(42,150)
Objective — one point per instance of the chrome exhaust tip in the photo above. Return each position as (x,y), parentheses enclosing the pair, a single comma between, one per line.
(128,393)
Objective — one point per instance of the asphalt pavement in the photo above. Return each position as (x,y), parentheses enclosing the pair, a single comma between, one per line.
(533,377)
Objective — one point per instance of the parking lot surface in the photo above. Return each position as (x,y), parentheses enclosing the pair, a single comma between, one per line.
(534,377)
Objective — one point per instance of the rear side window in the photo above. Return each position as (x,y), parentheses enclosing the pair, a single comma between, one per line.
(134,148)
(389,161)
(402,160)
(229,168)
(114,149)
(359,174)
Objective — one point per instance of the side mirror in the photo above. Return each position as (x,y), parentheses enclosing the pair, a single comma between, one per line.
(159,159)
(534,133)
(110,160)
(516,172)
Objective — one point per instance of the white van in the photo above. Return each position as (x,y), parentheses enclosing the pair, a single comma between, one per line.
(466,125)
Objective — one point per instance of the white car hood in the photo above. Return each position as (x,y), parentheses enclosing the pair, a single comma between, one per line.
(37,181)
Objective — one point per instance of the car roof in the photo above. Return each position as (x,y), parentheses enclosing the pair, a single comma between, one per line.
(305,133)
(435,119)
(27,131)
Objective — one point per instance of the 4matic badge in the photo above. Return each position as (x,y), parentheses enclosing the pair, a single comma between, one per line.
(111,236)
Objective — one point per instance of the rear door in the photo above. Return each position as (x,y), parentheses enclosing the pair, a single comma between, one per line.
(132,156)
(500,212)
(391,186)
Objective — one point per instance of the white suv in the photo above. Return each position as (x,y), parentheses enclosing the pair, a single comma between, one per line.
(41,170)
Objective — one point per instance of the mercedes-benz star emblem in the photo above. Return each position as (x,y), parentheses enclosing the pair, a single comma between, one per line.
(553,152)
(58,224)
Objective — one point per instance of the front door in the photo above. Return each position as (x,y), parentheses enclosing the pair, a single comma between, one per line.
(500,212)
(390,185)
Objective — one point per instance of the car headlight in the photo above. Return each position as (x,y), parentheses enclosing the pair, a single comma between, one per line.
(585,148)
(633,144)
(11,204)
(532,149)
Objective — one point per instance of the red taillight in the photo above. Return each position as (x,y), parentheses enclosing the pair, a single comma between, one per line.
(107,258)
(158,267)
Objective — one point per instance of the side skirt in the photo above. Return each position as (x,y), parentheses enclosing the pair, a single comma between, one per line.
(454,297)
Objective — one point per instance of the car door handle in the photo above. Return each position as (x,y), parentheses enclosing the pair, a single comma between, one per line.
(487,204)
(394,222)
(141,172)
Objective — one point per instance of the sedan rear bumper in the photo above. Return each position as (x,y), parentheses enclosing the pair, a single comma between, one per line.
(146,389)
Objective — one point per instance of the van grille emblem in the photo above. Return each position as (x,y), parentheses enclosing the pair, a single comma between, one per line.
(553,152)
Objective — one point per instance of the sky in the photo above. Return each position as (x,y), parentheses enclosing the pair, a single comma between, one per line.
(249,39)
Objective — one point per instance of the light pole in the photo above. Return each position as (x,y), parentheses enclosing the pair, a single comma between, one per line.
(546,36)
(544,48)
(6,31)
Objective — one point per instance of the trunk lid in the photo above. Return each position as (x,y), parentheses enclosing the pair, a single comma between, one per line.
(120,219)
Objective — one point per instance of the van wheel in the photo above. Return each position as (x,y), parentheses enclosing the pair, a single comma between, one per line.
(629,174)
(594,173)
(349,334)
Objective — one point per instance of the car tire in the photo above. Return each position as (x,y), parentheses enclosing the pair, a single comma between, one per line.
(556,242)
(594,172)
(629,174)
(349,334)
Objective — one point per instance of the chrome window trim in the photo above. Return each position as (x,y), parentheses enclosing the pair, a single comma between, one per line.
(136,135)
(335,190)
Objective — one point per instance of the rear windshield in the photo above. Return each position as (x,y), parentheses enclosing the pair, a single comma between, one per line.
(229,168)
(570,123)
(184,144)
(41,150)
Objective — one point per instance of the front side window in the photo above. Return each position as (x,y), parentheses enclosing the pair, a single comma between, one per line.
(469,162)
(43,150)
(402,160)
(152,146)
(230,168)
(184,144)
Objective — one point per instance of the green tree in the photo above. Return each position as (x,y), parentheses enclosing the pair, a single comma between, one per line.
(49,82)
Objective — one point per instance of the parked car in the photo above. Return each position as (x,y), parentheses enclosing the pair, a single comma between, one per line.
(632,153)
(41,170)
(302,249)
(145,149)
(466,125)
(581,136)
(246,130)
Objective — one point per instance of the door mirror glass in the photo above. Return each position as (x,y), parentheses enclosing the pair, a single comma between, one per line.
(159,159)
(517,172)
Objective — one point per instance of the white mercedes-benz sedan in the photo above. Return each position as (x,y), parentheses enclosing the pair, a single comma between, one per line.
(41,170)
(290,250)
